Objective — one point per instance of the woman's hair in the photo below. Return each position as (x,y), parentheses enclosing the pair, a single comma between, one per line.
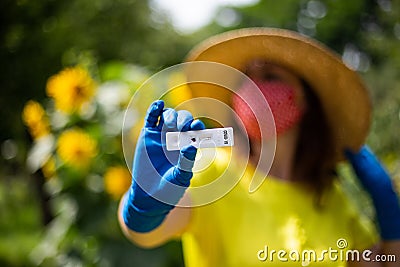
(314,160)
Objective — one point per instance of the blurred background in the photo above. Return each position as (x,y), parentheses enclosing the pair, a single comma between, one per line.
(62,170)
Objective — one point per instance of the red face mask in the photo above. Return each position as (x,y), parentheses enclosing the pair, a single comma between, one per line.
(281,99)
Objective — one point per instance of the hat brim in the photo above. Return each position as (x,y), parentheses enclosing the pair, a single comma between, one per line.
(341,91)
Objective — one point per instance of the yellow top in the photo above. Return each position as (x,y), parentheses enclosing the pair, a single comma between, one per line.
(277,225)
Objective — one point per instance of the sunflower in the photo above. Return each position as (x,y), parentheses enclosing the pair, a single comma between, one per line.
(71,89)
(35,118)
(76,148)
(117,180)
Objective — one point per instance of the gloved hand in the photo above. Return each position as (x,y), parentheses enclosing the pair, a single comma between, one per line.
(159,177)
(378,184)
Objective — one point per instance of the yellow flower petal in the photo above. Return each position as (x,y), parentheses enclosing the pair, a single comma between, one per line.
(76,148)
(117,181)
(35,118)
(71,89)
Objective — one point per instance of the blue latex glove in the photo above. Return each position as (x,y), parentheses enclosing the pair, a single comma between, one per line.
(378,184)
(159,177)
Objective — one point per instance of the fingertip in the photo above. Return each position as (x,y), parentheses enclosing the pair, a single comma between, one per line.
(197,125)
(185,118)
(170,118)
(153,113)
(157,106)
(189,152)
(159,102)
(186,158)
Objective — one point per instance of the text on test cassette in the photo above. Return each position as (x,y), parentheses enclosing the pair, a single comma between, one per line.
(208,138)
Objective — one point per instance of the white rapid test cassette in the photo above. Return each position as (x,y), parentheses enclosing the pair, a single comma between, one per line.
(208,138)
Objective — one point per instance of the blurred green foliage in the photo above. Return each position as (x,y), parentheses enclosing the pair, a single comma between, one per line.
(366,33)
(39,38)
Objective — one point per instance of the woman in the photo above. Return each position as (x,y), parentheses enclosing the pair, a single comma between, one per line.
(299,214)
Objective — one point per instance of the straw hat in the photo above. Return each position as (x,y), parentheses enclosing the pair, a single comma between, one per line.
(341,91)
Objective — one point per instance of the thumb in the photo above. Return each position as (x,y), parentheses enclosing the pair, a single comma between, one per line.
(186,159)
(183,170)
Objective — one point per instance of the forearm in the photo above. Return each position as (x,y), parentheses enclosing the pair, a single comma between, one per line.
(172,227)
(376,181)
